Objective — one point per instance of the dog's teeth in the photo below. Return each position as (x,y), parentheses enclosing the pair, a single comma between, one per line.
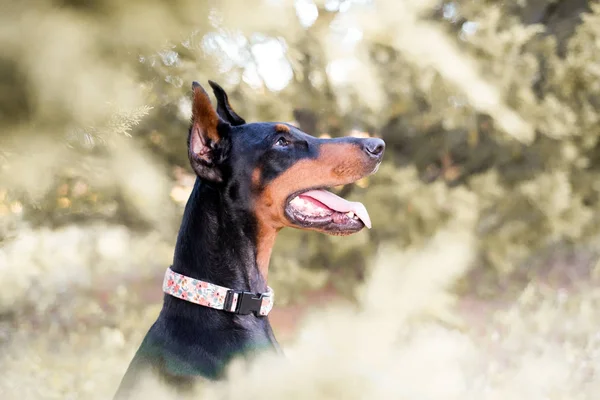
(350,214)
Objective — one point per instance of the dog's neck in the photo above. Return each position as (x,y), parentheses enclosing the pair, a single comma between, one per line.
(217,243)
(215,246)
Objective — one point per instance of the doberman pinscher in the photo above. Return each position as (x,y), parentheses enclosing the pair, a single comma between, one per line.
(252,180)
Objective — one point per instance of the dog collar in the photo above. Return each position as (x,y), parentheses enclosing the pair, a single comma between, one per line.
(218,297)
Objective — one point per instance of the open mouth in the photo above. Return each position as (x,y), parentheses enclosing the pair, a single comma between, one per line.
(326,211)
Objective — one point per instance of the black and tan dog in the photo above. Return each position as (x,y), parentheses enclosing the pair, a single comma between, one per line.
(252,180)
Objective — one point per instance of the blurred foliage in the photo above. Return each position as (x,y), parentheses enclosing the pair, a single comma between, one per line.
(542,344)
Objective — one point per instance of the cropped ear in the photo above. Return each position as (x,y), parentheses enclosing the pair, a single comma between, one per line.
(207,139)
(223,107)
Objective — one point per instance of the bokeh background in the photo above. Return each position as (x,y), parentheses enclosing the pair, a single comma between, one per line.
(479,278)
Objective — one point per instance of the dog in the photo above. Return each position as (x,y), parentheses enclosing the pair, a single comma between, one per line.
(253,179)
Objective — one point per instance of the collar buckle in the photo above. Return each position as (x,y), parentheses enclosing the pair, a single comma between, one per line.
(247,302)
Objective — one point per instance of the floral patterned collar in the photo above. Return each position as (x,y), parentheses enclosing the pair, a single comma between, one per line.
(218,297)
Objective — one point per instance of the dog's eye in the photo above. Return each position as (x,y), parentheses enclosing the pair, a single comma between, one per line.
(282,142)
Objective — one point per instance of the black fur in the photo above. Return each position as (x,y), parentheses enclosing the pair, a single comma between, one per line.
(223,108)
(188,340)
(217,243)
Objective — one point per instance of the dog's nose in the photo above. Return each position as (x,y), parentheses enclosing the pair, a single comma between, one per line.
(374,147)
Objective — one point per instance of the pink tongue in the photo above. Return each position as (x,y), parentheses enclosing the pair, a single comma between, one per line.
(338,204)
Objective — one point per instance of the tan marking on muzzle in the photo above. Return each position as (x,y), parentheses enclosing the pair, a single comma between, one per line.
(337,164)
